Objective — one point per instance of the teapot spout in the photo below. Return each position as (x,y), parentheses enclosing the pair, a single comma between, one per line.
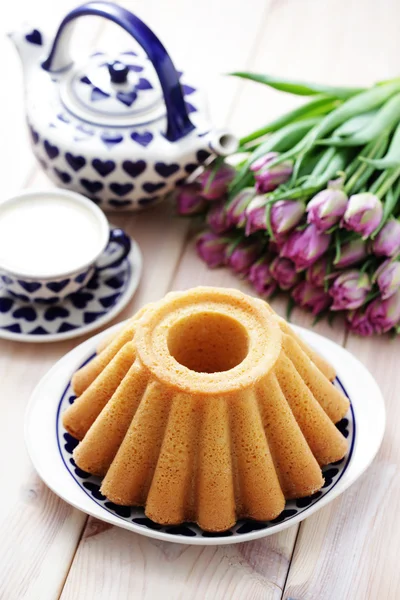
(29,44)
(222,143)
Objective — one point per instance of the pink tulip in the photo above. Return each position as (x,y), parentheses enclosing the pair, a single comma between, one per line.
(349,291)
(263,161)
(326,208)
(283,270)
(256,216)
(189,200)
(261,278)
(305,247)
(216,217)
(363,214)
(215,184)
(309,296)
(358,323)
(236,209)
(384,314)
(285,215)
(268,178)
(387,242)
(243,256)
(388,278)
(317,273)
(351,253)
(212,249)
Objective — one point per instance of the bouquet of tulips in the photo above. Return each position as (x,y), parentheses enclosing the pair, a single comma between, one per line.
(312,205)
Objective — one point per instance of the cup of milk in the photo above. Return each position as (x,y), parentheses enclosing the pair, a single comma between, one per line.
(51,242)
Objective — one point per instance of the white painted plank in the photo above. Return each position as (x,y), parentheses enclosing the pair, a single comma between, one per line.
(350,549)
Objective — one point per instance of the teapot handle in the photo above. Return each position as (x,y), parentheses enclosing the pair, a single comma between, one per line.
(59,59)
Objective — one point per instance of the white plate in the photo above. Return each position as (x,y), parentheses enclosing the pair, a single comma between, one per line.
(50,449)
(102,299)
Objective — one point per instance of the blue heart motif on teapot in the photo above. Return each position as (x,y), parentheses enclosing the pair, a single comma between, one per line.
(131,116)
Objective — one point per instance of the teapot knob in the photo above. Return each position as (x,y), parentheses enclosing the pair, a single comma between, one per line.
(118,72)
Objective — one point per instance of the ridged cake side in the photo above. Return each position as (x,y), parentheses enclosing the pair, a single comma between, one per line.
(211,458)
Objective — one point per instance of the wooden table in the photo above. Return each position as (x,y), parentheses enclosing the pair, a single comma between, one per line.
(348,550)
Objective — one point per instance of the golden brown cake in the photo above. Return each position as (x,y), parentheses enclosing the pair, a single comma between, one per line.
(206,407)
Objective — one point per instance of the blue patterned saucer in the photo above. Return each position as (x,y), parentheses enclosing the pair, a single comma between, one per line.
(105,295)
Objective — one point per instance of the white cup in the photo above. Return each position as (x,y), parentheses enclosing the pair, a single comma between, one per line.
(51,242)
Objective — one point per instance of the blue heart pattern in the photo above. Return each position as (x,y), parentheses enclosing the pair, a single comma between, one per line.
(34,37)
(51,150)
(121,189)
(166,170)
(103,167)
(75,162)
(63,176)
(101,295)
(143,139)
(94,187)
(91,485)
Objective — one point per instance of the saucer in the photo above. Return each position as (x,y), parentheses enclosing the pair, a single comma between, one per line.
(50,447)
(104,296)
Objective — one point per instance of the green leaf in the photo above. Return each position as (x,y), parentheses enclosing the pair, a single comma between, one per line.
(385,119)
(392,157)
(297,87)
(320,105)
(363,102)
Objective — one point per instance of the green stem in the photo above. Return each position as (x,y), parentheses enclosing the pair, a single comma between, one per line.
(318,106)
(391,176)
(377,147)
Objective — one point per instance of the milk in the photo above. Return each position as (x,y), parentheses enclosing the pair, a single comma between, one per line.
(47,235)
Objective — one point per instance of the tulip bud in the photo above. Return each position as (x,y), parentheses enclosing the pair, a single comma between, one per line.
(243,256)
(283,270)
(305,247)
(387,242)
(212,249)
(215,184)
(236,210)
(189,200)
(261,278)
(309,296)
(285,215)
(358,323)
(363,214)
(269,178)
(388,278)
(351,253)
(317,273)
(256,217)
(216,217)
(384,314)
(350,290)
(263,161)
(326,208)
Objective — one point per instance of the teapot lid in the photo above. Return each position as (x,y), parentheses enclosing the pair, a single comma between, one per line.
(114,90)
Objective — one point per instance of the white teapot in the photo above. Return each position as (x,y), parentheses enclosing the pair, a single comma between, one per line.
(124,129)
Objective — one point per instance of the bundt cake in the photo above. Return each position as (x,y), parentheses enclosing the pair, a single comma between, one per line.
(206,407)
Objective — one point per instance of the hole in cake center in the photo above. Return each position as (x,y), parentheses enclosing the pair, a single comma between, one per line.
(208,342)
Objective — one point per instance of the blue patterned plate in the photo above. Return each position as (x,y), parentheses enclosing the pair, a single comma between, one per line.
(51,447)
(106,294)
